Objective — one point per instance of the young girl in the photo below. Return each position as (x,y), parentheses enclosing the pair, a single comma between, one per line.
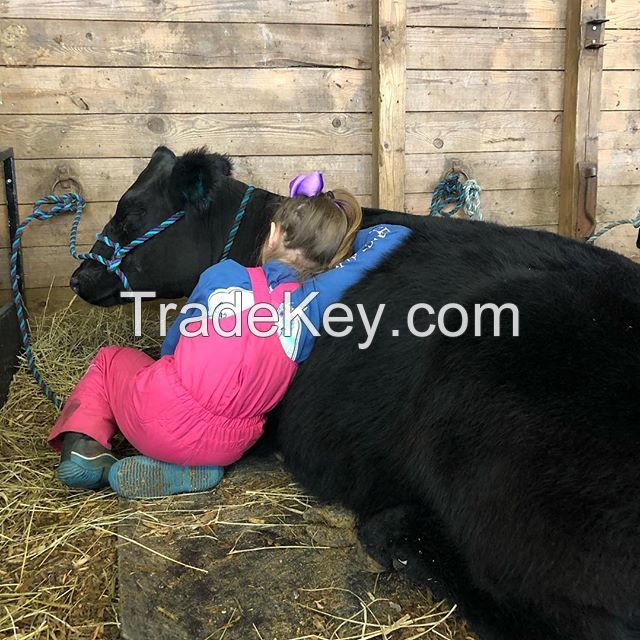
(202,405)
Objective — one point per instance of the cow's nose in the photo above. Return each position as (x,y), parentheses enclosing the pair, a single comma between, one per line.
(74,283)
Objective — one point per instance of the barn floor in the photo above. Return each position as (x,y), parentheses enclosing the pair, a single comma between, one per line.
(256,558)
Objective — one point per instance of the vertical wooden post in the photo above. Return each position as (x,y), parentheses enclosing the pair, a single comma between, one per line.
(388,95)
(580,129)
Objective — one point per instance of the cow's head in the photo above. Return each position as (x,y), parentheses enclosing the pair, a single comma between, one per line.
(169,264)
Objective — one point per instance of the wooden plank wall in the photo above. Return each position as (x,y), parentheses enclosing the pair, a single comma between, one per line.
(89,91)
(485,85)
(619,193)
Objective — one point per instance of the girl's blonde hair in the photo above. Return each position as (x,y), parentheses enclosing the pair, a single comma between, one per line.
(317,231)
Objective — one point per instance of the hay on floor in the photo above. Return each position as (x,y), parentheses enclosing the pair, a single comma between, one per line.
(58,576)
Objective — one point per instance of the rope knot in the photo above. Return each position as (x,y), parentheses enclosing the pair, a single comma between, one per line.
(113,264)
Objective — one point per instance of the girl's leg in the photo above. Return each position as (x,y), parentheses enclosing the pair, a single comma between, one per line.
(101,401)
(86,426)
(102,391)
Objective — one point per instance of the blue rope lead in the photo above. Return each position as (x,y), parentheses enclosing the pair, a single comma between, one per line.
(612,225)
(451,195)
(68,203)
(236,223)
(58,204)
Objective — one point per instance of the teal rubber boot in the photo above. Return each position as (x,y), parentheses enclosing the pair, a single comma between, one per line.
(143,477)
(84,462)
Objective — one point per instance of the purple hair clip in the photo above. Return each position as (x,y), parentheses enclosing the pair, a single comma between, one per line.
(306,185)
(310,185)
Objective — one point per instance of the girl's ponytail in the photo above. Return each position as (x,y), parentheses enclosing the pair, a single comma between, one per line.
(353,212)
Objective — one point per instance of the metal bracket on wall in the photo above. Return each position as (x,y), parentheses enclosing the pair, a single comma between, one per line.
(11,190)
(9,334)
(587,200)
(594,34)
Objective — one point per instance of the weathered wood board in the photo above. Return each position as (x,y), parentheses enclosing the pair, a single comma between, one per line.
(125,135)
(106,179)
(508,170)
(43,266)
(89,43)
(619,165)
(484,90)
(623,49)
(48,90)
(516,207)
(538,14)
(474,131)
(498,49)
(624,14)
(268,11)
(621,90)
(389,90)
(113,136)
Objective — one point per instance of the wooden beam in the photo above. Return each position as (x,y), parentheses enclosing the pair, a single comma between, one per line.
(125,135)
(583,83)
(389,96)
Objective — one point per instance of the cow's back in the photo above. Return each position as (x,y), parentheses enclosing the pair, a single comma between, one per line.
(526,447)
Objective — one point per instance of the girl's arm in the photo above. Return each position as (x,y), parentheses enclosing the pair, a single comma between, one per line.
(371,247)
(217,277)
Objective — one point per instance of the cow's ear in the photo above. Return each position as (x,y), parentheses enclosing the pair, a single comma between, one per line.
(195,177)
(163,152)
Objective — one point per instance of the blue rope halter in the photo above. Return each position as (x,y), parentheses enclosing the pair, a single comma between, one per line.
(111,264)
(68,203)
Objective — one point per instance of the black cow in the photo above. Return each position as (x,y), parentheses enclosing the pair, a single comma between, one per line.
(504,472)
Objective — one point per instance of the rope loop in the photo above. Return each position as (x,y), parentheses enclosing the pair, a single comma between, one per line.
(451,195)
(65,203)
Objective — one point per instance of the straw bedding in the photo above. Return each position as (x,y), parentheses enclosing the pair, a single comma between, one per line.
(58,576)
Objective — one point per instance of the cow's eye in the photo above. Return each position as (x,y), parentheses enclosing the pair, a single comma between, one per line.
(129,227)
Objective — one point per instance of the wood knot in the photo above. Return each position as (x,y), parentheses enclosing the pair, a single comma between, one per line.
(157,125)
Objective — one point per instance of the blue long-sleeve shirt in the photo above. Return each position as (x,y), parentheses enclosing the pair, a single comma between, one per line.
(218,284)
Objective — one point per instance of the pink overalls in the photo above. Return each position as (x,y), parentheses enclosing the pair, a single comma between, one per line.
(204,405)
